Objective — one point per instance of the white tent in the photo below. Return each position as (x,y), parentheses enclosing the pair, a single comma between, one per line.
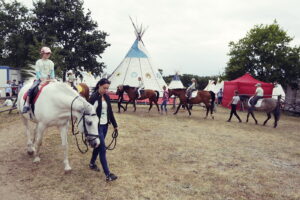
(278,90)
(215,88)
(137,64)
(88,79)
(176,83)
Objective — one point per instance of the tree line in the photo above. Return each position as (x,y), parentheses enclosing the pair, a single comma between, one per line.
(77,42)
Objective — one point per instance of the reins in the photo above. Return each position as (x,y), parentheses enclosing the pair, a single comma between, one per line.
(111,145)
(75,134)
(114,136)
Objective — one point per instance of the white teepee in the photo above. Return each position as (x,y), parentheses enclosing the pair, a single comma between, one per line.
(176,82)
(137,64)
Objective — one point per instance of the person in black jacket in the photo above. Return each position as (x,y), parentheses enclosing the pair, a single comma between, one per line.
(101,102)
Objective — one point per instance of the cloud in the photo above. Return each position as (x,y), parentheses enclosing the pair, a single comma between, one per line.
(191,36)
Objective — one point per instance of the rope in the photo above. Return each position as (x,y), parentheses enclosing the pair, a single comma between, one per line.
(114,136)
(76,133)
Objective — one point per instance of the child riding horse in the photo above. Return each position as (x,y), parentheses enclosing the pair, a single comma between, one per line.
(152,95)
(202,97)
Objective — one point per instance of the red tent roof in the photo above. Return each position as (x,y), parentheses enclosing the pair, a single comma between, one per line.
(247,78)
(245,85)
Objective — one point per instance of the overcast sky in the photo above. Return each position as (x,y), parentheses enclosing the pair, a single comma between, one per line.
(189,36)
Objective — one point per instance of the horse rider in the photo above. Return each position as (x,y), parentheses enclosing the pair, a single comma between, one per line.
(44,70)
(140,87)
(191,88)
(71,78)
(259,94)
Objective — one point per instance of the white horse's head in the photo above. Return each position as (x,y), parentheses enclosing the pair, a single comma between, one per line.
(88,124)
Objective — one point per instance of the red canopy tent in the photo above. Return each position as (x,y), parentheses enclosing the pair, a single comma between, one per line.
(244,85)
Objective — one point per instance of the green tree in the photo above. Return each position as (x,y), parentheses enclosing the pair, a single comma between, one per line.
(71,33)
(15,33)
(265,53)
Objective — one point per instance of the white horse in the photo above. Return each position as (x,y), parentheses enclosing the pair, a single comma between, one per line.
(53,108)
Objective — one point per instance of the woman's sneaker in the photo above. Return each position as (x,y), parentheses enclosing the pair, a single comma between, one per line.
(94,167)
(111,177)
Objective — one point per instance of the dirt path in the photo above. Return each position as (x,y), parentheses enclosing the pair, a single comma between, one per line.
(161,157)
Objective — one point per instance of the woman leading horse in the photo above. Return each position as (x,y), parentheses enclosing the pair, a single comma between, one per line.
(202,97)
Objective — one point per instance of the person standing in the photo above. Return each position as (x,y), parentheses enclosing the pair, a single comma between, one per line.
(101,102)
(71,79)
(8,91)
(14,88)
(44,70)
(235,100)
(165,100)
(220,96)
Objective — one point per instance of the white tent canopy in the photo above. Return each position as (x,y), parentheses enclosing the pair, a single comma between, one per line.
(137,64)
(176,83)
(215,88)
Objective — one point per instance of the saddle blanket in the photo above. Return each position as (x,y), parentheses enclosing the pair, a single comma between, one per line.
(37,93)
(194,94)
(257,105)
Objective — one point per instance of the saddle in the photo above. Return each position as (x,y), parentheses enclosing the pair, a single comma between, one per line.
(258,103)
(35,95)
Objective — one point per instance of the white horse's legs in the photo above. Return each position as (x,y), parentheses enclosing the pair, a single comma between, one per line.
(40,128)
(30,148)
(64,141)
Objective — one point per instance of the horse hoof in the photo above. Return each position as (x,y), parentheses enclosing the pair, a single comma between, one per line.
(68,171)
(36,160)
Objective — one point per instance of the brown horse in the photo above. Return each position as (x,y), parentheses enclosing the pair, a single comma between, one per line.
(202,97)
(268,105)
(152,95)
(83,90)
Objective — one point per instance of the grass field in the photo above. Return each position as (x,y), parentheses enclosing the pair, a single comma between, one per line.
(161,157)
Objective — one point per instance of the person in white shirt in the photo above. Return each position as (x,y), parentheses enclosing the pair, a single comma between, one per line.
(191,88)
(140,87)
(259,94)
(235,100)
(71,79)
(8,90)
(44,70)
(101,101)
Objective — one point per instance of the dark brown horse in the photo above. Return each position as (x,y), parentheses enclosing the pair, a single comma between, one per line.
(268,105)
(152,95)
(202,97)
(83,90)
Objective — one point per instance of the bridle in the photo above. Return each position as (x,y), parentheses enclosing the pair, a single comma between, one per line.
(85,131)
